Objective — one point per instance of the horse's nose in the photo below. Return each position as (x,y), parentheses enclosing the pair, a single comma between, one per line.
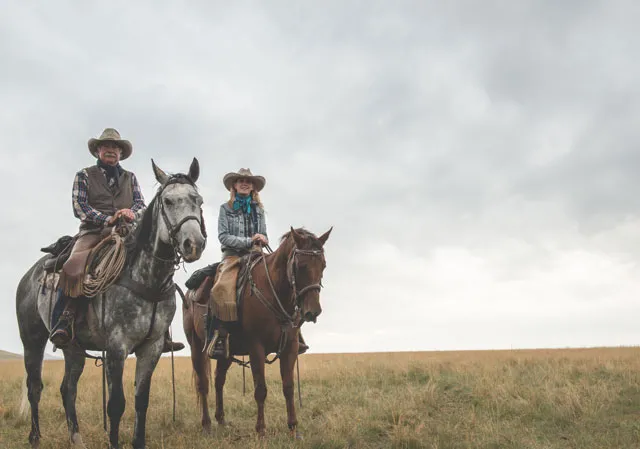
(311,316)
(191,251)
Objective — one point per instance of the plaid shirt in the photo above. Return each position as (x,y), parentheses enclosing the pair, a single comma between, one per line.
(86,213)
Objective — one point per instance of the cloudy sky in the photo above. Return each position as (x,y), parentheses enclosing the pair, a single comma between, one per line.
(478,160)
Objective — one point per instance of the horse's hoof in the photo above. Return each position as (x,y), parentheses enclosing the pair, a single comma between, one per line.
(206,430)
(34,440)
(296,435)
(262,434)
(224,423)
(76,441)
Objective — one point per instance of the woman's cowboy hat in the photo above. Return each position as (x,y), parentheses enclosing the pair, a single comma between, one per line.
(111,135)
(230,179)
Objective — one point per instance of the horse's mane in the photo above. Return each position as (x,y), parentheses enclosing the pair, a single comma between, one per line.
(287,236)
(142,232)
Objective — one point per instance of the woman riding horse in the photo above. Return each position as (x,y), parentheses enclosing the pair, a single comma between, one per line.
(241,229)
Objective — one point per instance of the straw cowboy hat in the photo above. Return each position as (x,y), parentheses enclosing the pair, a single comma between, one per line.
(230,179)
(111,135)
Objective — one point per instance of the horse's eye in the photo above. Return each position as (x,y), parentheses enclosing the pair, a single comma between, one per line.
(168,202)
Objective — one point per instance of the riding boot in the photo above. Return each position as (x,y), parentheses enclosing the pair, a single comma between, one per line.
(62,332)
(302,346)
(171,345)
(219,347)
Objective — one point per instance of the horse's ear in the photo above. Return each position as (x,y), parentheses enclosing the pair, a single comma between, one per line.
(324,237)
(194,170)
(296,237)
(161,176)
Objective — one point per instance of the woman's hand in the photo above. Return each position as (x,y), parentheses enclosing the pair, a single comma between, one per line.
(260,239)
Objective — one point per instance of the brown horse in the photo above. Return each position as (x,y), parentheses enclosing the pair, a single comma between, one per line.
(282,291)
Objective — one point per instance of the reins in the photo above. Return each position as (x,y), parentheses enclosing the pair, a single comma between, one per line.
(287,321)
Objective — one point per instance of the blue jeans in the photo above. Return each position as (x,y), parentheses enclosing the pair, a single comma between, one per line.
(58,308)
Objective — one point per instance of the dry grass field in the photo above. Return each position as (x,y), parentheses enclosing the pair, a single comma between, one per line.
(579,398)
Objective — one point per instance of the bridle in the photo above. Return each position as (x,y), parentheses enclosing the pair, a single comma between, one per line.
(288,322)
(297,296)
(173,229)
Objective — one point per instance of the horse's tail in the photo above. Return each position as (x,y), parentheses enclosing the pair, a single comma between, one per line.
(24,412)
(202,379)
(201,374)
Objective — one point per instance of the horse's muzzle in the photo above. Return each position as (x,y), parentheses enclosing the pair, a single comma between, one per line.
(312,316)
(191,251)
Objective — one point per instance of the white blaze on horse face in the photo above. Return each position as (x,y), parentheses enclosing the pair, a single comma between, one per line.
(180,201)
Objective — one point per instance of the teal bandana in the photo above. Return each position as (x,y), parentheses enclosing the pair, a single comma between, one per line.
(242,202)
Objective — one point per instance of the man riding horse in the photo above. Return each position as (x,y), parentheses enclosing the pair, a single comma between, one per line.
(102,194)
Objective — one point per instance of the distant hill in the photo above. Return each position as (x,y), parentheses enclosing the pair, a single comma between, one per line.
(4,355)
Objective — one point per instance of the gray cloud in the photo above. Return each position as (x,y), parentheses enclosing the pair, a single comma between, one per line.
(476,160)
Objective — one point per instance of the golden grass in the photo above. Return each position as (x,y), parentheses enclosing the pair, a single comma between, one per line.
(578,398)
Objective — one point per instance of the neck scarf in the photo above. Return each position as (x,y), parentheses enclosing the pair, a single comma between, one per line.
(242,202)
(113,172)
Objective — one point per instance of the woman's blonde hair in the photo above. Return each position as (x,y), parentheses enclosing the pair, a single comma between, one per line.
(255,196)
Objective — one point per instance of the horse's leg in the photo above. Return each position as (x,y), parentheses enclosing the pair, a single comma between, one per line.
(287,363)
(73,367)
(147,359)
(221,376)
(33,356)
(202,370)
(256,356)
(115,406)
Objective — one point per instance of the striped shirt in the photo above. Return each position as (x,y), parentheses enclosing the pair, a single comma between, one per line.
(83,210)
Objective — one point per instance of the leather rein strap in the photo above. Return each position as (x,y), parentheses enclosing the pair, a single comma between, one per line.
(287,321)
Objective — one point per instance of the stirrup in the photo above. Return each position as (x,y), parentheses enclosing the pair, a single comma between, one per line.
(63,332)
(61,338)
(213,351)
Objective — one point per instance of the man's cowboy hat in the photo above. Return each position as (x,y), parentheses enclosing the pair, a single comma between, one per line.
(111,135)
(230,179)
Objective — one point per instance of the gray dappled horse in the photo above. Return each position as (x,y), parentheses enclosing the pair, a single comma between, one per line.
(131,316)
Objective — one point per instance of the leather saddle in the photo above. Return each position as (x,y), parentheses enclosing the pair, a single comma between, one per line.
(59,251)
(197,278)
(201,282)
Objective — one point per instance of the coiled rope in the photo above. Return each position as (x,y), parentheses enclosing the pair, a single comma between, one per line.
(106,262)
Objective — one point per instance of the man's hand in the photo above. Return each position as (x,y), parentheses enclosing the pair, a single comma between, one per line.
(260,239)
(127,214)
(113,219)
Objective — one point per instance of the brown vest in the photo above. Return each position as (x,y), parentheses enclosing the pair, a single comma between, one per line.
(102,197)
